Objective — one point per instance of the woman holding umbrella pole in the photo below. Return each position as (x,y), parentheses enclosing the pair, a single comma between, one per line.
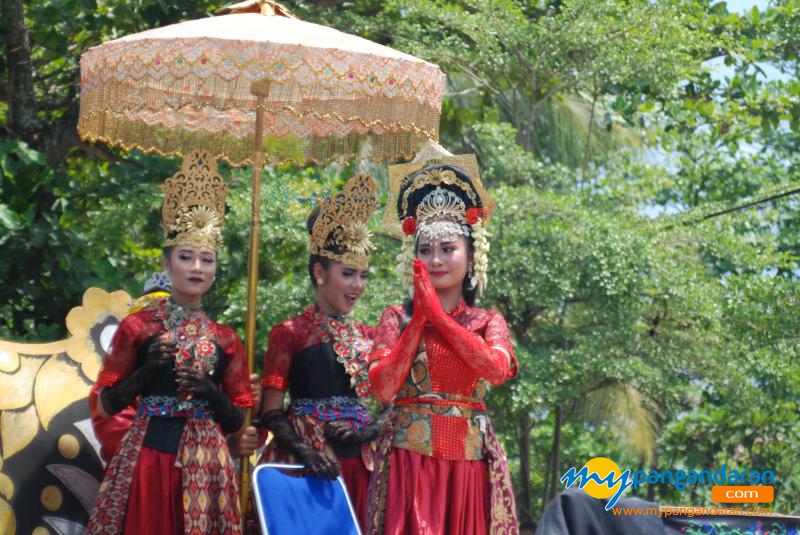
(173,472)
(439,468)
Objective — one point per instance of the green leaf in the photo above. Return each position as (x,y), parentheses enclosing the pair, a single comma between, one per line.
(647,106)
(29,155)
(9,218)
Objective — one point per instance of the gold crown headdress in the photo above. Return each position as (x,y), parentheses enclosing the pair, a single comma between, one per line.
(441,212)
(431,154)
(340,231)
(194,203)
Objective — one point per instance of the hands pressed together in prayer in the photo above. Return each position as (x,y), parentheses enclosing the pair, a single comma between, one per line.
(425,297)
(492,363)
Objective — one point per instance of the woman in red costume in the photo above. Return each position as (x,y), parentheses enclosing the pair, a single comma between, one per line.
(110,430)
(173,472)
(439,468)
(319,357)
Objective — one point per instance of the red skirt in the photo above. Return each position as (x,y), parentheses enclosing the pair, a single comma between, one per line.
(155,503)
(430,496)
(356,479)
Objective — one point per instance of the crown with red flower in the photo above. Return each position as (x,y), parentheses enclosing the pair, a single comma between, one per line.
(438,194)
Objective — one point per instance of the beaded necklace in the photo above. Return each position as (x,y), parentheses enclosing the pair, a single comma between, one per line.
(350,347)
(188,328)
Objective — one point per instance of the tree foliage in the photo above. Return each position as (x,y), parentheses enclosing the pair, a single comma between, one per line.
(655,321)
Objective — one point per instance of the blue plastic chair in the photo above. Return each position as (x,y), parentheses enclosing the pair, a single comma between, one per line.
(312,505)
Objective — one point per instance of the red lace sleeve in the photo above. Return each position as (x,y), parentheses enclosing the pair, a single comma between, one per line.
(132,332)
(278,357)
(390,361)
(236,381)
(388,331)
(367,331)
(497,336)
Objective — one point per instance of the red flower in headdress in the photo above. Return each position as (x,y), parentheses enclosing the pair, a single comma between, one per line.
(473,215)
(409,226)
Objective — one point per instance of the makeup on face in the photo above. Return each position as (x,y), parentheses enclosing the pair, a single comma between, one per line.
(192,271)
(341,288)
(446,258)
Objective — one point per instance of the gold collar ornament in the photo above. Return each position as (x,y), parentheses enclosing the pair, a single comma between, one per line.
(441,212)
(340,231)
(194,203)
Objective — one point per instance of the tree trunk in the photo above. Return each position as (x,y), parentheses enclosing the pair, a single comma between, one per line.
(587,148)
(546,482)
(525,503)
(635,491)
(651,489)
(54,139)
(22,118)
(552,476)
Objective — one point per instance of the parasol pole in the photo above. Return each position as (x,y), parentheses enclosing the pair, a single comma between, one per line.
(260,89)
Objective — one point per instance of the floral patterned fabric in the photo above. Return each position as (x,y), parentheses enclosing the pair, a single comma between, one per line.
(188,329)
(209,494)
(350,342)
(439,411)
(137,328)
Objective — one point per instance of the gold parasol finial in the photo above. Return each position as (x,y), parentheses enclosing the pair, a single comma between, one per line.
(265,7)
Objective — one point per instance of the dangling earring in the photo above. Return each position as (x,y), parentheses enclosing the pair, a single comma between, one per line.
(471,277)
(320,282)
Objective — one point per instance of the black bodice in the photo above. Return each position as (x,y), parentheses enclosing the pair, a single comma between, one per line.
(315,373)
(163,432)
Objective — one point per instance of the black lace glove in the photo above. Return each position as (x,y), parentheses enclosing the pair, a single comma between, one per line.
(160,359)
(344,432)
(195,383)
(282,429)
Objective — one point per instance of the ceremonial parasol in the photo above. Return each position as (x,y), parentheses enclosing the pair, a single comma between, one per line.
(258,84)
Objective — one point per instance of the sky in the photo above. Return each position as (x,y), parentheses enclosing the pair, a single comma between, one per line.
(746,5)
(719,70)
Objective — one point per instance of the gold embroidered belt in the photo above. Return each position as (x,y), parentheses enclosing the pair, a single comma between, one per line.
(442,404)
